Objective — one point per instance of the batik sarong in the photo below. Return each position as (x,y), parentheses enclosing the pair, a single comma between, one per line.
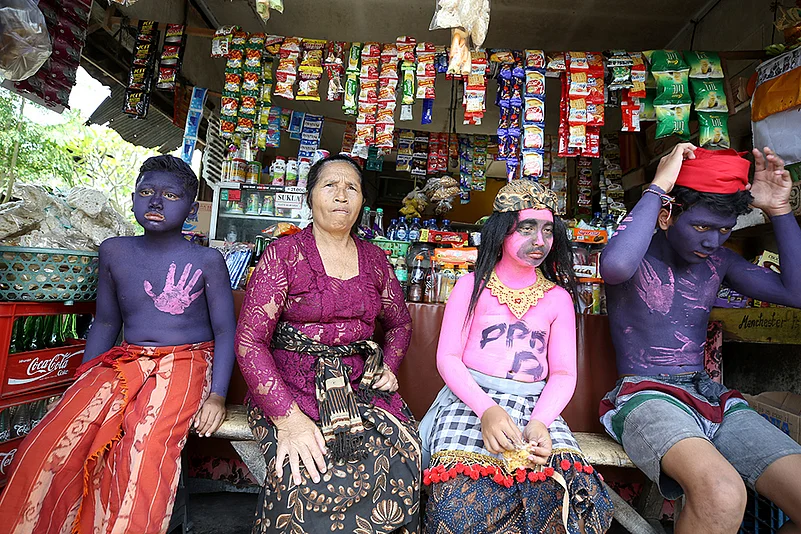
(380,493)
(106,459)
(472,491)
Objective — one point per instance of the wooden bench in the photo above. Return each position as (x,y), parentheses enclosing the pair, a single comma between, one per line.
(599,449)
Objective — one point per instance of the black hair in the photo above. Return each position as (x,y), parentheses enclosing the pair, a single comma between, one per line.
(727,205)
(317,169)
(557,267)
(172,165)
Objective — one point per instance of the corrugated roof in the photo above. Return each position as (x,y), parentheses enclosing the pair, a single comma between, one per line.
(154,131)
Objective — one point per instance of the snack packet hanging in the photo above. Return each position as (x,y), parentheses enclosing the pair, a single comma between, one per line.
(704,64)
(556,62)
(673,120)
(667,61)
(647,109)
(709,94)
(672,88)
(221,42)
(713,130)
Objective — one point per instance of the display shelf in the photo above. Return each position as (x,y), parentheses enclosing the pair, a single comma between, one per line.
(257,217)
(757,230)
(760,325)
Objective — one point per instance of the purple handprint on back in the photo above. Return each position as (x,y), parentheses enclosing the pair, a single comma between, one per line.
(658,296)
(175,298)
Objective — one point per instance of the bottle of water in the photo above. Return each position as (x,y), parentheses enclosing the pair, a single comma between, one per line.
(414,231)
(446,226)
(402,232)
(393,227)
(596,221)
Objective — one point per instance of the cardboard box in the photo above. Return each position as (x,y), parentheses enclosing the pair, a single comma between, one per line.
(781,408)
(200,222)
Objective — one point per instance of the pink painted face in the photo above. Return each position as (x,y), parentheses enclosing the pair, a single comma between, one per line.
(531,241)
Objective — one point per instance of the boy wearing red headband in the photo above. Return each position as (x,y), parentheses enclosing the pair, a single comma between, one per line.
(690,435)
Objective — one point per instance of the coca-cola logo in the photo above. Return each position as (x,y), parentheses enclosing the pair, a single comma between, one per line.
(39,369)
(5,460)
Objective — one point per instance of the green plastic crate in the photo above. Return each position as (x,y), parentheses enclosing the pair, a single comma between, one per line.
(396,248)
(47,275)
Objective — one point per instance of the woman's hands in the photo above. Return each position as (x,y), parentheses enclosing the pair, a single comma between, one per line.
(300,440)
(539,439)
(386,381)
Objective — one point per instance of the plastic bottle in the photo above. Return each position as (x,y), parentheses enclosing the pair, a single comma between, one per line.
(609,224)
(461,270)
(279,171)
(417,280)
(393,226)
(446,226)
(303,173)
(378,223)
(596,221)
(402,233)
(402,273)
(363,230)
(430,292)
(414,230)
(447,281)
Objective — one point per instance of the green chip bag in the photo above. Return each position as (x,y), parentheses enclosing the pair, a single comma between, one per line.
(709,94)
(647,109)
(704,64)
(667,60)
(713,130)
(672,88)
(673,120)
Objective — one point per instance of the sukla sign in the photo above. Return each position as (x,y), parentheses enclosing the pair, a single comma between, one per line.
(288,201)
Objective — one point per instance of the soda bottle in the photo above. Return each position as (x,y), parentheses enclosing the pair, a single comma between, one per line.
(402,233)
(17,336)
(38,412)
(20,417)
(363,230)
(5,425)
(58,330)
(430,293)
(30,330)
(414,231)
(417,280)
(70,327)
(378,224)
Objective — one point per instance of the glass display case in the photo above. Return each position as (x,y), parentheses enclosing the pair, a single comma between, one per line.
(241,211)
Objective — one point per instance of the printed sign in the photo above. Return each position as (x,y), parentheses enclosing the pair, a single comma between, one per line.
(288,201)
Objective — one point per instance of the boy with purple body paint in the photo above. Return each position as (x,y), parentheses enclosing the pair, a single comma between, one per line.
(687,433)
(106,458)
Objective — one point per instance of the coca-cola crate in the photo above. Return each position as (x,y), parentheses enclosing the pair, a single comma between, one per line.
(25,374)
(38,370)
(8,450)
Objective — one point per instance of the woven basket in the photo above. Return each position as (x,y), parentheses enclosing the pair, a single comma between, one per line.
(47,275)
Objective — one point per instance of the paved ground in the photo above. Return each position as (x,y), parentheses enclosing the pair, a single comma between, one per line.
(232,513)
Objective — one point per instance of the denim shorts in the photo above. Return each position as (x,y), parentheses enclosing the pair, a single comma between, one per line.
(655,421)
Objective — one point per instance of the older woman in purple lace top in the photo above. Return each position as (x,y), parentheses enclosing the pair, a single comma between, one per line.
(323,398)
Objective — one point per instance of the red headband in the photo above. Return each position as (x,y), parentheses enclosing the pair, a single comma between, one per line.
(715,171)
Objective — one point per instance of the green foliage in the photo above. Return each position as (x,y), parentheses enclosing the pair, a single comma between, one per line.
(63,156)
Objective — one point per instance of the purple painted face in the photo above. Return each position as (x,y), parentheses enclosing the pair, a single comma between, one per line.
(699,232)
(161,203)
(532,239)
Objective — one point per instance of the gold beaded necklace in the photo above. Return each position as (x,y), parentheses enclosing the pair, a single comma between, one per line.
(519,301)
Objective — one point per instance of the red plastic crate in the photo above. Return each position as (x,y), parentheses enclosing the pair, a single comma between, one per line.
(8,450)
(41,373)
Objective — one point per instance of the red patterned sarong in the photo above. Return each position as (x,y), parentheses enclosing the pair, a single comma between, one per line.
(106,459)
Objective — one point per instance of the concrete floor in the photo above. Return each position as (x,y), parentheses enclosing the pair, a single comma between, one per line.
(233,513)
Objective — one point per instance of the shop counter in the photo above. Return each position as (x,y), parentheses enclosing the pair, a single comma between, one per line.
(420,382)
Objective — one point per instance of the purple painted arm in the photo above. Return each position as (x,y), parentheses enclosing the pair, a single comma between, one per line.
(261,310)
(627,247)
(764,284)
(561,383)
(394,316)
(220,302)
(108,317)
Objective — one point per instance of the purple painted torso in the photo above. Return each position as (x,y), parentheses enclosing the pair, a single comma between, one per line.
(290,284)
(658,317)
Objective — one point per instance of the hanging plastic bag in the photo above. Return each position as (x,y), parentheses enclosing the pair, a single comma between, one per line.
(470,15)
(24,41)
